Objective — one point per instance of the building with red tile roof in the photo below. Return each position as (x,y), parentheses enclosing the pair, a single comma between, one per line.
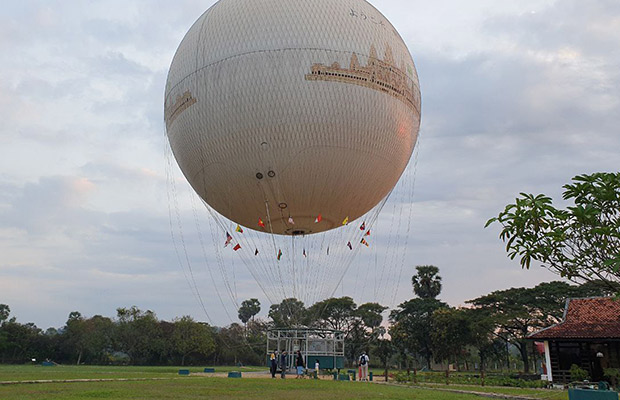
(588,336)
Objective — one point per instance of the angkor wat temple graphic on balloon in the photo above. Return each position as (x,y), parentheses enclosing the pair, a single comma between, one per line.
(382,75)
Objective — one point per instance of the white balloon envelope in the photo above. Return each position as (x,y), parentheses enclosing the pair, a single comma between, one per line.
(284,110)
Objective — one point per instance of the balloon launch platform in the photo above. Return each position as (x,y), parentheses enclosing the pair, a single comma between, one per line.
(324,345)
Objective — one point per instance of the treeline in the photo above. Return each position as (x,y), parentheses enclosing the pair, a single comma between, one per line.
(425,330)
(422,332)
(137,337)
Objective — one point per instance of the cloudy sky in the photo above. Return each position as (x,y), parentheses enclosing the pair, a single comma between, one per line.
(517,96)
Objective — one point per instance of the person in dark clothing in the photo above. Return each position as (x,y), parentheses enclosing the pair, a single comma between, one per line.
(273,359)
(283,365)
(299,363)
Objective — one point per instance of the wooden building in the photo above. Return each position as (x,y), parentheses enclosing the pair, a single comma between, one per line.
(588,336)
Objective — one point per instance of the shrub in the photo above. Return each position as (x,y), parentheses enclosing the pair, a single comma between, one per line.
(577,373)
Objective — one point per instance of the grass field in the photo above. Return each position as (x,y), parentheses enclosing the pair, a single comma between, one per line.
(62,372)
(165,383)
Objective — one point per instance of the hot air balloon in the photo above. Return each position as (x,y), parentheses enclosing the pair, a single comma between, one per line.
(295,113)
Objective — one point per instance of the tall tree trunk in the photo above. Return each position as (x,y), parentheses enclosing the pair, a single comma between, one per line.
(523,350)
(482,366)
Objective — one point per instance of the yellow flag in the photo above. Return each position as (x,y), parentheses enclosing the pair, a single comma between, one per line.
(346,221)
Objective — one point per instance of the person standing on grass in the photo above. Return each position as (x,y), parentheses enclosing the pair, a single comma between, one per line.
(283,364)
(273,359)
(363,363)
(299,363)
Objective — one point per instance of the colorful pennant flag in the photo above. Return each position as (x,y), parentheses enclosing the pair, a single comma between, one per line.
(363,226)
(256,252)
(279,254)
(364,242)
(239,229)
(350,246)
(290,221)
(304,253)
(228,239)
(318,219)
(346,221)
(367,233)
(237,247)
(261,223)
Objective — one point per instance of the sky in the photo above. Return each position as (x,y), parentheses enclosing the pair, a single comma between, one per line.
(517,97)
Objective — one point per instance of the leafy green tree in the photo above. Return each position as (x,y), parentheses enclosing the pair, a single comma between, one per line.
(483,338)
(334,313)
(383,350)
(412,320)
(289,313)
(139,335)
(5,311)
(75,334)
(581,242)
(412,323)
(249,308)
(190,336)
(427,282)
(450,334)
(370,314)
(22,341)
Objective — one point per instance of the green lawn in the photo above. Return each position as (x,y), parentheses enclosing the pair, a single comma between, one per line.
(222,388)
(165,383)
(547,394)
(62,372)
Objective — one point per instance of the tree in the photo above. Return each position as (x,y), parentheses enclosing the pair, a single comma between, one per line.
(450,334)
(75,334)
(370,314)
(190,336)
(581,242)
(412,323)
(289,313)
(334,313)
(5,311)
(427,282)
(412,320)
(384,350)
(249,308)
(139,334)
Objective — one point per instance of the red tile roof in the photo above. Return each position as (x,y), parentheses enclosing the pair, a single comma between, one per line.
(591,318)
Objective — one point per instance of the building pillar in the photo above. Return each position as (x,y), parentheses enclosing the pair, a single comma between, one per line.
(548,361)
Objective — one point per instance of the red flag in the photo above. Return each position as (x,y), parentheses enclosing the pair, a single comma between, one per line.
(237,247)
(350,246)
(261,223)
(279,254)
(367,233)
(363,226)
(364,242)
(318,219)
(228,239)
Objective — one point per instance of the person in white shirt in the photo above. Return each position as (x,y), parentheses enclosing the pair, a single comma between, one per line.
(363,363)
